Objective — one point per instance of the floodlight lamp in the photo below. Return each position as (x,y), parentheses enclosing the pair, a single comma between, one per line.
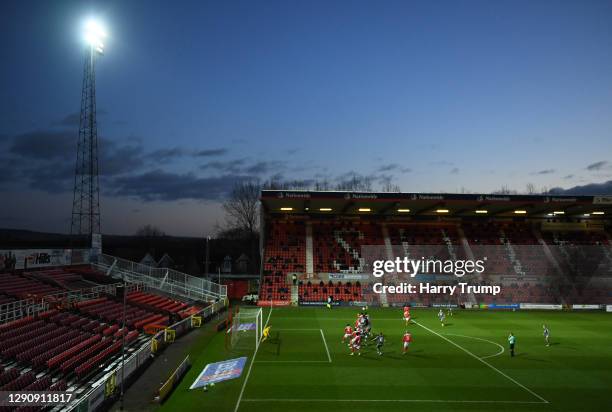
(94,35)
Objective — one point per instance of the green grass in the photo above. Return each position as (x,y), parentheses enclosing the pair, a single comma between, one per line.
(444,370)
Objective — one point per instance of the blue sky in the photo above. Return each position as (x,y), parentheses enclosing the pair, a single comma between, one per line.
(193,96)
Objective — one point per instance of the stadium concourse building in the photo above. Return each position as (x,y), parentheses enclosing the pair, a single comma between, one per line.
(542,249)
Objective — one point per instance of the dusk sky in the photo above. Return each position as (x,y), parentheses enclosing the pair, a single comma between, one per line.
(192,97)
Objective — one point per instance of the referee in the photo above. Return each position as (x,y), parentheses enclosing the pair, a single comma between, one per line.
(511,341)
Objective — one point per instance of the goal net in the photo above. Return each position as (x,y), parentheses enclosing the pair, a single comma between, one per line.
(246,329)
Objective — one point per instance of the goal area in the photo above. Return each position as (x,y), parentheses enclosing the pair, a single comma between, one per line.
(246,329)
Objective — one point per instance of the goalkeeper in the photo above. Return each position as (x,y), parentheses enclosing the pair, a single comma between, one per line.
(266,333)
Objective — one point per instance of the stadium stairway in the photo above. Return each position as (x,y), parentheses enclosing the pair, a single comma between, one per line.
(469,255)
(389,253)
(309,255)
(553,261)
(295,295)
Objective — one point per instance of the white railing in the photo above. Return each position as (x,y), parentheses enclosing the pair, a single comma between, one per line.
(165,279)
(28,307)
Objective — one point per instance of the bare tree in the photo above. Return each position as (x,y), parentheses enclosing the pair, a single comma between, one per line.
(505,190)
(356,183)
(390,187)
(150,231)
(530,188)
(241,207)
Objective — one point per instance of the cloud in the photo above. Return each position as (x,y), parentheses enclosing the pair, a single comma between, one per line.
(591,189)
(116,159)
(161,185)
(45,159)
(263,167)
(230,166)
(45,144)
(73,119)
(51,178)
(241,166)
(394,167)
(567,177)
(166,155)
(454,171)
(543,172)
(597,165)
(441,163)
(211,152)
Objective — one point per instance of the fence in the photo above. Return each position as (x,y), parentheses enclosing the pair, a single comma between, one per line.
(162,278)
(166,389)
(29,307)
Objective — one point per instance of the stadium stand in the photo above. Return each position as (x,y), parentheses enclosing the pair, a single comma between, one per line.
(533,264)
(73,341)
(284,254)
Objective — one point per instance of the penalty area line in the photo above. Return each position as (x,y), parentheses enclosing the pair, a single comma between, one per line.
(484,361)
(250,366)
(326,348)
(390,401)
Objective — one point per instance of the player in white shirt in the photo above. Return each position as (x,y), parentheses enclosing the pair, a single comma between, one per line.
(441,317)
(546,335)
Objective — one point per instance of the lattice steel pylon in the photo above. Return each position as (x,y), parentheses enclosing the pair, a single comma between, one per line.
(86,200)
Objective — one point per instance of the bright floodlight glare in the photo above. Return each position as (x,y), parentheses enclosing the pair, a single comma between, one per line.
(95,34)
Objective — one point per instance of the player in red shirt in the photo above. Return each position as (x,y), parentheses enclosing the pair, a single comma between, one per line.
(358,320)
(406,339)
(356,344)
(348,332)
(407,314)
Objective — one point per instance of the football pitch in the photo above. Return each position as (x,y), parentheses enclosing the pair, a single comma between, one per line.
(465,365)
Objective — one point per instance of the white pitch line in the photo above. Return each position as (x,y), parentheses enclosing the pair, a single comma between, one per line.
(250,366)
(299,330)
(390,400)
(325,343)
(485,362)
(292,361)
(484,340)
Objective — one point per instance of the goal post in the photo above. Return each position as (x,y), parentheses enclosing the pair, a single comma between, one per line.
(246,329)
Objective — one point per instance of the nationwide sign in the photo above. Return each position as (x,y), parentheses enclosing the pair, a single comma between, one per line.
(220,371)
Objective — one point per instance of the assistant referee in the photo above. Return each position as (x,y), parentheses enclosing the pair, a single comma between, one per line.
(511,342)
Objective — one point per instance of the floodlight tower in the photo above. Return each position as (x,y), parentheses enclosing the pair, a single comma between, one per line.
(86,200)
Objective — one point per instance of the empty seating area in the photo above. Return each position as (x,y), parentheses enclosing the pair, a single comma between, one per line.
(61,277)
(337,245)
(69,345)
(581,254)
(284,253)
(340,292)
(515,252)
(158,303)
(111,311)
(44,352)
(22,287)
(426,240)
